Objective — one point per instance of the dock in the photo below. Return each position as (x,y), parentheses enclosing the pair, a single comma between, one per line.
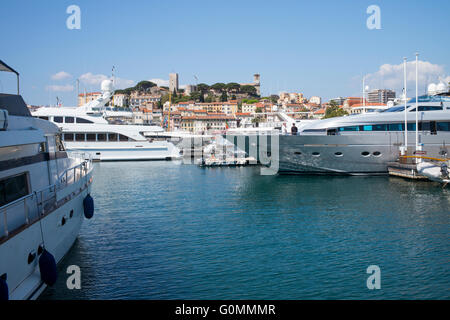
(404,170)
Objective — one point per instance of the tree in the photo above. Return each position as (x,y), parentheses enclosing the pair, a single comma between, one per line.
(224,97)
(232,87)
(258,110)
(274,98)
(248,89)
(218,86)
(334,111)
(144,85)
(202,87)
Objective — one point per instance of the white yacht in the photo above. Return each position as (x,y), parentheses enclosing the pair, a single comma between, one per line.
(44,198)
(85,129)
(364,144)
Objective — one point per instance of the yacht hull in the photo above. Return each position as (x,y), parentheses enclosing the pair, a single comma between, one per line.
(363,154)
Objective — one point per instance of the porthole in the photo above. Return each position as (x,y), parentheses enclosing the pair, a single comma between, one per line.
(365,153)
(377,153)
(297,152)
(316,154)
(338,154)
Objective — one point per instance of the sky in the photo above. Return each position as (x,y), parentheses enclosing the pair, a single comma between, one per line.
(318,48)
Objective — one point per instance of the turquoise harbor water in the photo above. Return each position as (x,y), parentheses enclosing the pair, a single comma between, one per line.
(164,230)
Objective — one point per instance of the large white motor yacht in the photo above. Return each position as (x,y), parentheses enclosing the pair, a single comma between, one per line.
(44,197)
(85,129)
(364,144)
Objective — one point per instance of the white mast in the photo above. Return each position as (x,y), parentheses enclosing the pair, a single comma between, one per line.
(417,102)
(406,114)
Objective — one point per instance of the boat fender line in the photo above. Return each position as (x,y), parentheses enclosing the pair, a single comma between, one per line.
(47,267)
(88,204)
(4,292)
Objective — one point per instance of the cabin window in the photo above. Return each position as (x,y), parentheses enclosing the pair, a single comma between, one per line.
(79,137)
(427,108)
(443,126)
(338,154)
(112,136)
(379,127)
(69,119)
(90,136)
(433,127)
(377,153)
(123,138)
(43,118)
(316,154)
(350,128)
(68,136)
(81,120)
(424,126)
(58,119)
(13,188)
(365,153)
(101,137)
(396,127)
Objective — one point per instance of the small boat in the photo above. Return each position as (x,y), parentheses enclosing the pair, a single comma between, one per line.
(434,171)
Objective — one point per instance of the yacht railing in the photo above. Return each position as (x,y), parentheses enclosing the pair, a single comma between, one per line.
(25,211)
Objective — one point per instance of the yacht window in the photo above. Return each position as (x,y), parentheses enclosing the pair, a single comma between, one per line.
(43,118)
(411,126)
(443,126)
(366,128)
(377,153)
(365,153)
(351,128)
(298,152)
(424,126)
(316,154)
(58,119)
(379,127)
(314,130)
(394,109)
(338,154)
(90,137)
(81,120)
(433,127)
(427,108)
(112,136)
(68,136)
(13,188)
(396,127)
(79,137)
(123,138)
(101,137)
(69,119)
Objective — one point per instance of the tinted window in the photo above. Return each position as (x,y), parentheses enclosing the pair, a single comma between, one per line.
(112,136)
(411,126)
(68,136)
(43,118)
(13,188)
(353,128)
(427,108)
(396,127)
(123,138)
(90,137)
(69,119)
(443,126)
(79,136)
(101,137)
(58,119)
(379,127)
(81,120)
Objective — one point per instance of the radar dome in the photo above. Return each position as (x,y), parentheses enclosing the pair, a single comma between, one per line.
(107,85)
(441,88)
(432,88)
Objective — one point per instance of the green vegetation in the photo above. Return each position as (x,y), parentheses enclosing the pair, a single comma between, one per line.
(334,111)
(250,101)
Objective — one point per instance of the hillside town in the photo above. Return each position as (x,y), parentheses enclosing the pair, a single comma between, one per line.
(202,107)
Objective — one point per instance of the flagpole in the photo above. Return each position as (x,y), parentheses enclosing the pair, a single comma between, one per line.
(417,103)
(406,114)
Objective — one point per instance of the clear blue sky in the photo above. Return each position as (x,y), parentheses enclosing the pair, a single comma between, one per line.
(315,47)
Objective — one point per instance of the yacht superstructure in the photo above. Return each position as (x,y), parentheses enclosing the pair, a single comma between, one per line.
(85,129)
(364,144)
(44,196)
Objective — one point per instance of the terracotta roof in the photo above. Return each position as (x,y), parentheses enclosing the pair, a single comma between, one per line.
(368,104)
(245,114)
(320,111)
